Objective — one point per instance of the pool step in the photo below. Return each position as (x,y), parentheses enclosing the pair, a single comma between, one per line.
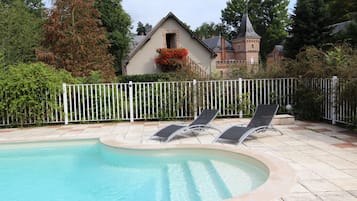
(180,183)
(218,181)
(236,180)
(208,183)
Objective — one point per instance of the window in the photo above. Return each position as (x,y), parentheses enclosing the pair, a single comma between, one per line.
(171,40)
(252,46)
(251,60)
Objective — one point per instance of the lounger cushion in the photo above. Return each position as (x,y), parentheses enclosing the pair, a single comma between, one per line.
(234,133)
(167,131)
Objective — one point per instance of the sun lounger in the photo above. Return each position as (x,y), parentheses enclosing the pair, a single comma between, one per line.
(260,122)
(200,123)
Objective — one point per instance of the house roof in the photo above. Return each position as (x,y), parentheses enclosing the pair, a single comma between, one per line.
(215,43)
(136,39)
(170,15)
(277,48)
(246,29)
(338,27)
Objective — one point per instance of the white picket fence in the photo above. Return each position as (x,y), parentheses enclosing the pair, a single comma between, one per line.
(183,99)
(334,107)
(171,100)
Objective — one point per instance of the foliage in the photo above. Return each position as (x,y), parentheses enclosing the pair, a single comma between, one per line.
(307,102)
(269,19)
(95,77)
(35,7)
(171,59)
(144,78)
(309,26)
(235,72)
(209,30)
(179,75)
(20,32)
(143,29)
(25,91)
(117,23)
(349,93)
(75,39)
(311,62)
(348,96)
(341,10)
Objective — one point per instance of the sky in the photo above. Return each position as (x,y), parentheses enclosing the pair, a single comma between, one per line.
(192,12)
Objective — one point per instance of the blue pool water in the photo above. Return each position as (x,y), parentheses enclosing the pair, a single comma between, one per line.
(95,172)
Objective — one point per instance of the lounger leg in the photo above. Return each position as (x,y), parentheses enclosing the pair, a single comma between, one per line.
(277,130)
(244,136)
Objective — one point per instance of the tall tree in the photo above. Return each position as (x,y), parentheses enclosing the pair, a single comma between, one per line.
(20,32)
(269,19)
(207,30)
(75,39)
(309,27)
(117,23)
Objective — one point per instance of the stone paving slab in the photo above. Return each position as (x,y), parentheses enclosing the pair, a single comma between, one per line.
(324,156)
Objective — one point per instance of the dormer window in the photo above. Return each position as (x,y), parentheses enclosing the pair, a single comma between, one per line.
(171,40)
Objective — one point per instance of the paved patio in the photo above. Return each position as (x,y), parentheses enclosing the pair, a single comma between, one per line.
(323,156)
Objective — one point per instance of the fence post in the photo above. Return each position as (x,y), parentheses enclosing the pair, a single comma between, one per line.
(333,98)
(240,95)
(131,101)
(194,83)
(65,106)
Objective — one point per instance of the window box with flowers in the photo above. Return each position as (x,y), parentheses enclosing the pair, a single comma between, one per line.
(171,59)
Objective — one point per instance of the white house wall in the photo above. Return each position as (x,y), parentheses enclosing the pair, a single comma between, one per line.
(143,62)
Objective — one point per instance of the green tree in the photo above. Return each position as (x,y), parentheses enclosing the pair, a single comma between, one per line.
(34,6)
(75,39)
(207,30)
(310,26)
(142,29)
(20,32)
(117,23)
(341,10)
(269,19)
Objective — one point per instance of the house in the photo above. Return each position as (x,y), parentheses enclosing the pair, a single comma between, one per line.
(170,32)
(242,52)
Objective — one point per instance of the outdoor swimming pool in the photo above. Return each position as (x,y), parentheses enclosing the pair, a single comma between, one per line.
(91,171)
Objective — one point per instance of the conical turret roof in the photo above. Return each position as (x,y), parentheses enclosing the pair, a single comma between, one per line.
(246,29)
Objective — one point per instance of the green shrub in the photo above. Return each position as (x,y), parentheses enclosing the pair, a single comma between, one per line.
(25,91)
(144,78)
(308,102)
(95,77)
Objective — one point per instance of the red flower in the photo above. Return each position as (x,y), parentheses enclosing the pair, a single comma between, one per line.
(166,54)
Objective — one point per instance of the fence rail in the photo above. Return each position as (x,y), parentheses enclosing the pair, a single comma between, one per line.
(185,99)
